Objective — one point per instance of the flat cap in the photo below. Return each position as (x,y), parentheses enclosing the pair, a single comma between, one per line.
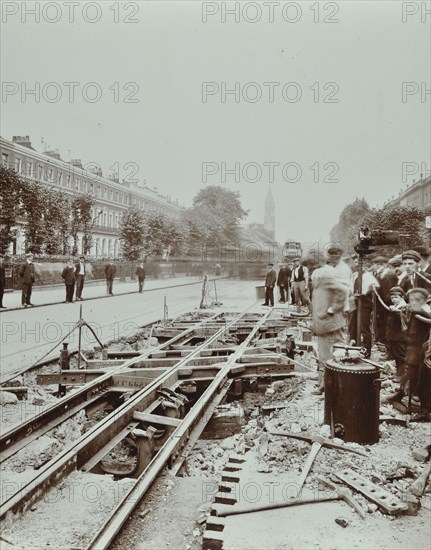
(418,290)
(411,255)
(380,260)
(396,261)
(334,249)
(397,290)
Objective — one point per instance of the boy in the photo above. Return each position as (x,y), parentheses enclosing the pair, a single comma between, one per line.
(395,336)
(417,336)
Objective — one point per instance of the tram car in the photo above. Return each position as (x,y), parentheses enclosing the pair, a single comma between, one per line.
(292,249)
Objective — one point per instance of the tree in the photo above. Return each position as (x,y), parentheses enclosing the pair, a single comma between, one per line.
(81,208)
(10,191)
(34,200)
(161,233)
(132,233)
(345,232)
(408,220)
(213,220)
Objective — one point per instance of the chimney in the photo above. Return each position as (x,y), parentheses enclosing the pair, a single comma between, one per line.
(77,163)
(24,141)
(53,154)
(97,171)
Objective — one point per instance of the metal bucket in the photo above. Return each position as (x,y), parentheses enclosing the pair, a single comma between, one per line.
(352,401)
(260,293)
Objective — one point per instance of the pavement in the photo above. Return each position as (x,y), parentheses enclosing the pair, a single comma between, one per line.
(34,334)
(43,296)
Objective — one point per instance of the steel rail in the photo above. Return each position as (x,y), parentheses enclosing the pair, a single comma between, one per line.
(33,427)
(174,444)
(99,435)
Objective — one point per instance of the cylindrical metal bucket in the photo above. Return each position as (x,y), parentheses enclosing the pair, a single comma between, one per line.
(352,401)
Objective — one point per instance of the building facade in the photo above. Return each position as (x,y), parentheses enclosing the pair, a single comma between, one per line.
(112,197)
(418,194)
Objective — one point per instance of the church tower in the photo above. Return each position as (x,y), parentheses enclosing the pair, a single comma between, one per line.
(269,219)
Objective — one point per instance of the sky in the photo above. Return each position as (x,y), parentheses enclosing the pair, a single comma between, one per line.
(317,112)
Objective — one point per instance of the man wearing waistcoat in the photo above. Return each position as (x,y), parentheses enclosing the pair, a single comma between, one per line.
(27,275)
(299,283)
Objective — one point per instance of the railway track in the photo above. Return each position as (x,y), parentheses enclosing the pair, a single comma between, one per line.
(165,398)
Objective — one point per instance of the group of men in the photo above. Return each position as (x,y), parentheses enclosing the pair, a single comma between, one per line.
(292,281)
(73,275)
(394,299)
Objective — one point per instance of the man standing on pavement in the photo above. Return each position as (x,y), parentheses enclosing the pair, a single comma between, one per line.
(27,275)
(2,282)
(299,283)
(68,275)
(271,279)
(140,272)
(110,271)
(80,273)
(283,283)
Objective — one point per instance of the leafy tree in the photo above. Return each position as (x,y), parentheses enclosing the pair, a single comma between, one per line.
(132,233)
(345,232)
(213,220)
(57,222)
(160,233)
(408,220)
(10,191)
(81,208)
(34,198)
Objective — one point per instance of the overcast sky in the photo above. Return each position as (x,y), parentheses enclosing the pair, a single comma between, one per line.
(169,131)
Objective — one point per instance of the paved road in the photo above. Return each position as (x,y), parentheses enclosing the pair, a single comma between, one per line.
(28,334)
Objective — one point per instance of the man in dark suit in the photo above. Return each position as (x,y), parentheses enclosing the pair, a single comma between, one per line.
(80,273)
(110,271)
(27,275)
(2,282)
(271,279)
(415,277)
(283,283)
(68,275)
(140,272)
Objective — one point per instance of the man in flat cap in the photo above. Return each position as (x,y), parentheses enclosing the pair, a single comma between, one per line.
(414,278)
(271,279)
(27,276)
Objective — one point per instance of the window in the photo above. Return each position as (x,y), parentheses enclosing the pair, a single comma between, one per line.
(18,165)
(91,188)
(40,172)
(29,169)
(60,177)
(116,196)
(4,158)
(98,190)
(68,180)
(50,174)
